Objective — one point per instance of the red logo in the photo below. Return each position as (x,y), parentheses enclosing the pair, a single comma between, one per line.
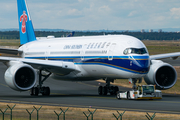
(23,19)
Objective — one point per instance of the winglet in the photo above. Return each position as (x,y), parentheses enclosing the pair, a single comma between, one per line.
(26,29)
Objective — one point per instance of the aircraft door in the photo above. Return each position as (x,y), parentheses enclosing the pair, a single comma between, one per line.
(111,49)
(82,55)
(83,52)
(47,54)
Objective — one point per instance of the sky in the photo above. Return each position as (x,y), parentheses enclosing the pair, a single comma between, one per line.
(95,14)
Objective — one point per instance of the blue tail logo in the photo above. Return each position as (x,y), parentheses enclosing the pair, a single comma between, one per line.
(26,29)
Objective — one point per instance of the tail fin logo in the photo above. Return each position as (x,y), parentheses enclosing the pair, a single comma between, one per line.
(23,19)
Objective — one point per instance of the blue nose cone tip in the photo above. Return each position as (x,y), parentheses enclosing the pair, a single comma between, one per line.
(141,65)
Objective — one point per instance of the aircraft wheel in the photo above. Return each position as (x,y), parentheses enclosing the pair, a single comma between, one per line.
(47,91)
(104,90)
(32,91)
(112,90)
(116,89)
(100,90)
(36,91)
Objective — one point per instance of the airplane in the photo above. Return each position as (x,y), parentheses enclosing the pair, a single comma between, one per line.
(89,58)
(51,36)
(71,34)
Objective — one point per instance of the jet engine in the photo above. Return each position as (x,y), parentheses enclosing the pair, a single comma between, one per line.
(161,74)
(20,77)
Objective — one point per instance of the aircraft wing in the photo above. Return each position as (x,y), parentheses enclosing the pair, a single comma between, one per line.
(10,51)
(60,67)
(164,56)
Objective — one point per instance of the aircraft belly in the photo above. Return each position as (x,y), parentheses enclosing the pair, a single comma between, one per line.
(74,77)
(104,71)
(94,72)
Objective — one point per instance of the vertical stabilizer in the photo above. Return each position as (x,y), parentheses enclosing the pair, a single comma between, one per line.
(71,34)
(26,30)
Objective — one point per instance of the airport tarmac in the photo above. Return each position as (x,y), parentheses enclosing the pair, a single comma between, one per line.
(84,94)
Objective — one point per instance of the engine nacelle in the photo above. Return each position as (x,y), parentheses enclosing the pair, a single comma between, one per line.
(161,74)
(20,77)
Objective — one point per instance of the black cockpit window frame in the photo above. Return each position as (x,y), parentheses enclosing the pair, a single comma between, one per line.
(135,51)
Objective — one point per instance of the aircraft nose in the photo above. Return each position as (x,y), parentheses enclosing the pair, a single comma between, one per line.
(142,65)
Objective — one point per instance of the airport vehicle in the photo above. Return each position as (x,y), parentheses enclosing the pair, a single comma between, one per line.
(107,57)
(142,92)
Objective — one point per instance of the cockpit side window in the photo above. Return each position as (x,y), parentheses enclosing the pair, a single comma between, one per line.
(135,51)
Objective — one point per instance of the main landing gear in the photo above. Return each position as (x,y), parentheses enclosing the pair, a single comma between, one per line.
(103,90)
(41,89)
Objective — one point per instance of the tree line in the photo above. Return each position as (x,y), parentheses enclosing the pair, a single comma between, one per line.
(139,35)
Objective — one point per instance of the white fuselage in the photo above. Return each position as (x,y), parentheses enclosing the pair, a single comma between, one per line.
(95,57)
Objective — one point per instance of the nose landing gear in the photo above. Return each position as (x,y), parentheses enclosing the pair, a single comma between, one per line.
(134,81)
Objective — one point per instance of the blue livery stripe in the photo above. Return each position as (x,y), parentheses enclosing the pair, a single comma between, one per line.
(109,65)
(134,64)
(94,57)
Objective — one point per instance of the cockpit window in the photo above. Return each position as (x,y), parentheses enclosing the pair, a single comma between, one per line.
(135,51)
